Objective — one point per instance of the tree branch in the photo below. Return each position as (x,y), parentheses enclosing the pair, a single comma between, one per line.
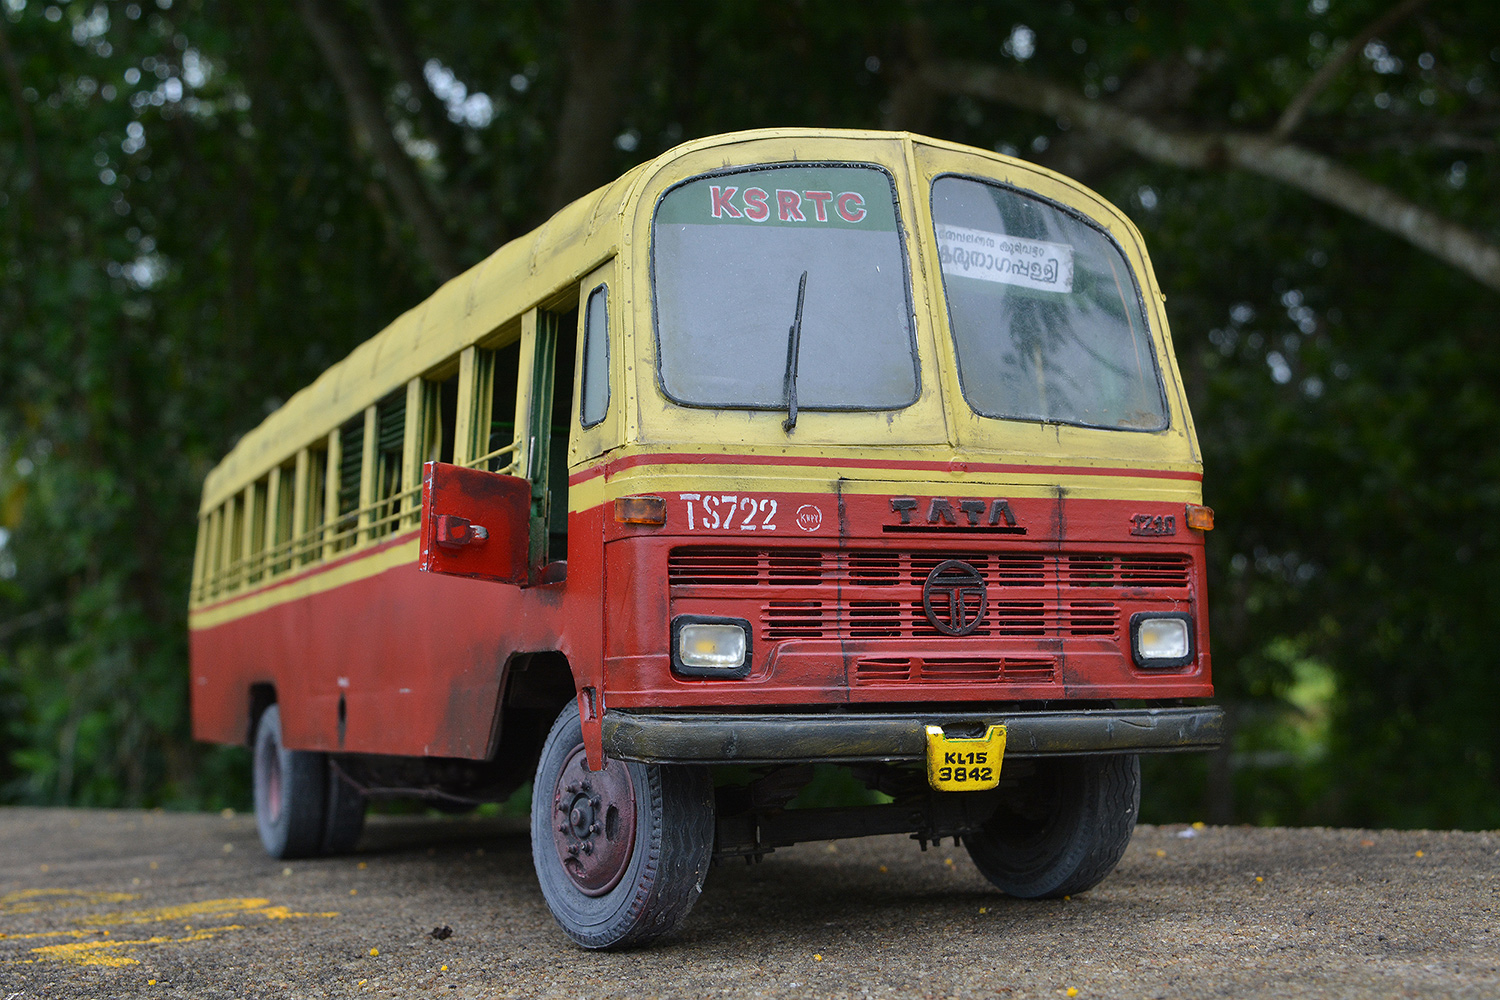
(910,102)
(602,34)
(1287,163)
(23,114)
(1160,88)
(39,616)
(341,53)
(1292,116)
(390,26)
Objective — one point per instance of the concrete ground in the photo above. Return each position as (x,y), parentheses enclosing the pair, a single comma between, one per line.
(104,904)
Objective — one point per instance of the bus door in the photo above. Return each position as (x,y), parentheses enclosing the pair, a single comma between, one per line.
(565,365)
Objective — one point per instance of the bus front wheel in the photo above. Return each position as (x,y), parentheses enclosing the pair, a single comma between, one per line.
(620,853)
(302,806)
(1062,829)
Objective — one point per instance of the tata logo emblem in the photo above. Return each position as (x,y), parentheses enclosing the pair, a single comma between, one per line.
(962,514)
(954,598)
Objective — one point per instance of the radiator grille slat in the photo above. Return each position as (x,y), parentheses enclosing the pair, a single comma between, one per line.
(728,566)
(952,669)
(794,620)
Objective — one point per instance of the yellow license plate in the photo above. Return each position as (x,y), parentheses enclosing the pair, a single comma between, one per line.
(964,763)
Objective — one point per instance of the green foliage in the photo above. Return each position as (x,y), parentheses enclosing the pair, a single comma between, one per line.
(191,230)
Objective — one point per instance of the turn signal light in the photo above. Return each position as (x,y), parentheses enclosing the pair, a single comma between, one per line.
(641,510)
(1200,517)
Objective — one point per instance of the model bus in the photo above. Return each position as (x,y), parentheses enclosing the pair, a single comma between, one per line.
(788,448)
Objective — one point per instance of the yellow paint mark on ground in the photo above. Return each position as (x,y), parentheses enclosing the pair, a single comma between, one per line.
(44,934)
(282,913)
(184,911)
(93,945)
(115,954)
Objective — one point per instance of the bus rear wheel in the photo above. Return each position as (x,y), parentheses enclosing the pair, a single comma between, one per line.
(303,807)
(620,853)
(1063,829)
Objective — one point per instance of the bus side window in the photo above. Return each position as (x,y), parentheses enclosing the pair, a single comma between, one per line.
(596,417)
(594,391)
(485,433)
(256,496)
(234,542)
(200,559)
(439,416)
(390,440)
(213,553)
(315,502)
(351,446)
(447,402)
(498,432)
(282,508)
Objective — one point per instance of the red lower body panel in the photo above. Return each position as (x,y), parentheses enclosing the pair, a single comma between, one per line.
(400,662)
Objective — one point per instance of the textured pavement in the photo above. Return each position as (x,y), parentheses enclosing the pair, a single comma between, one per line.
(114,903)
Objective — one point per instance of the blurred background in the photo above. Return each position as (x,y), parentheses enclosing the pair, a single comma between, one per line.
(204,204)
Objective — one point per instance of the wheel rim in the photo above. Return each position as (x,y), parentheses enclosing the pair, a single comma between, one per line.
(270,769)
(593,825)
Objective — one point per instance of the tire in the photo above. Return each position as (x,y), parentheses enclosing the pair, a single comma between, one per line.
(1063,829)
(344,820)
(650,831)
(291,793)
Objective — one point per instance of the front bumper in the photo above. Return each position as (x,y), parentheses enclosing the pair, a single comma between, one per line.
(702,738)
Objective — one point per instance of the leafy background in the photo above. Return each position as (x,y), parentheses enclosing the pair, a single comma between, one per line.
(203,204)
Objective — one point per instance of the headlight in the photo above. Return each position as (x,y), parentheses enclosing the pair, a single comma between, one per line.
(1161,640)
(710,647)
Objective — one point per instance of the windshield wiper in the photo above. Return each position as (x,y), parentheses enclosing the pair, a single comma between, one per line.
(793,352)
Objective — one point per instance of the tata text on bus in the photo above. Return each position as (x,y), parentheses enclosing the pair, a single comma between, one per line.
(789,450)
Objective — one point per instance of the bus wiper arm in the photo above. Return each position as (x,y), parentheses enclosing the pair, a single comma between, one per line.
(793,353)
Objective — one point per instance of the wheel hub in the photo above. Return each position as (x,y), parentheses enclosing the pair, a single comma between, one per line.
(594,822)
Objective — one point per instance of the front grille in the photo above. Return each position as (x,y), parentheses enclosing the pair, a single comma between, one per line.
(812,593)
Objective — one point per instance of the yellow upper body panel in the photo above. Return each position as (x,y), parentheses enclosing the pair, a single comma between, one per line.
(466,310)
(616,222)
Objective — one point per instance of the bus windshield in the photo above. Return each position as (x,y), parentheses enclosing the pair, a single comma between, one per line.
(1046,317)
(729,254)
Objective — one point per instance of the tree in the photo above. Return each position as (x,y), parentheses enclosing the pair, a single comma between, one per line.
(205,204)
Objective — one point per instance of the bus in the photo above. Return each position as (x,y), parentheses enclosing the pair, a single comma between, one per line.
(789,453)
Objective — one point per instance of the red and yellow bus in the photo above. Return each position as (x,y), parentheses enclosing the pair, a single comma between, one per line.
(788,448)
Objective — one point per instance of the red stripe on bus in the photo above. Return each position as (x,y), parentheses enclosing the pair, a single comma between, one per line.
(620,465)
